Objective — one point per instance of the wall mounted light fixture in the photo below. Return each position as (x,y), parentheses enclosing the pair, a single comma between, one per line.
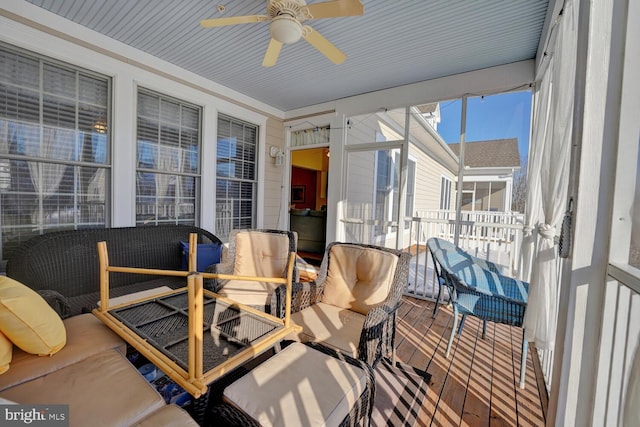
(277,154)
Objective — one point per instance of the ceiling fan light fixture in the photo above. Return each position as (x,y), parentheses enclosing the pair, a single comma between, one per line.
(285,29)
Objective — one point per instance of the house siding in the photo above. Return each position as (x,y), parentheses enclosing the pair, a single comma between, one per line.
(273,175)
(428,180)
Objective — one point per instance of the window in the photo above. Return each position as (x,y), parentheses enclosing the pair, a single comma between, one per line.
(54,147)
(388,187)
(386,177)
(168,172)
(411,189)
(236,173)
(445,193)
(411,180)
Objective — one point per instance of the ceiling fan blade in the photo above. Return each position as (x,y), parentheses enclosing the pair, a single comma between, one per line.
(271,56)
(233,20)
(335,8)
(325,47)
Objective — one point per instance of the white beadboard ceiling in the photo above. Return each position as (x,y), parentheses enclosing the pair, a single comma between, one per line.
(395,42)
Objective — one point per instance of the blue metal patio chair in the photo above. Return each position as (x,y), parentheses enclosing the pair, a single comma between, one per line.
(435,244)
(477,289)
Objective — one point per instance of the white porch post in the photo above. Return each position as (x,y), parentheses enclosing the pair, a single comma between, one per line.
(404,162)
(463,131)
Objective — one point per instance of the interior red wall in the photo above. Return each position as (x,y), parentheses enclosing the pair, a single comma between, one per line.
(306,177)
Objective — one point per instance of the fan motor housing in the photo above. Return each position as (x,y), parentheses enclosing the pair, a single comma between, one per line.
(293,8)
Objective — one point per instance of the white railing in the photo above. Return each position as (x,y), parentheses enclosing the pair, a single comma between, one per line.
(224,218)
(619,355)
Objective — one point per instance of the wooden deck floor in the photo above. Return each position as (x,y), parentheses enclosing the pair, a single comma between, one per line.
(478,384)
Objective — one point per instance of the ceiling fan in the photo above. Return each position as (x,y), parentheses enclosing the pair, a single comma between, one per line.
(286,26)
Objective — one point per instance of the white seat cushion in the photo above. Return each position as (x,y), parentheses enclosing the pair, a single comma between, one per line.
(299,386)
(335,327)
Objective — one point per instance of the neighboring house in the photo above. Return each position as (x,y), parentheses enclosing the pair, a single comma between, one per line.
(488,177)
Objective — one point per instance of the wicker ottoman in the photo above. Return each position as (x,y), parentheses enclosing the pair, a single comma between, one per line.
(302,385)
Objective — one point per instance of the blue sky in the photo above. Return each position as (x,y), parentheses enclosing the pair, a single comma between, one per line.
(505,115)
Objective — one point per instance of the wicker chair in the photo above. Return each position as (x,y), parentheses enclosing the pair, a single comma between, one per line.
(477,289)
(352,305)
(260,253)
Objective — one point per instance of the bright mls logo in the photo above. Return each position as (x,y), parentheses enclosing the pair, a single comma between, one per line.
(36,415)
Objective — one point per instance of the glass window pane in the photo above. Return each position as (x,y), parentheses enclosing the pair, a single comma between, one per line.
(59,111)
(19,70)
(93,91)
(170,112)
(59,81)
(148,106)
(19,104)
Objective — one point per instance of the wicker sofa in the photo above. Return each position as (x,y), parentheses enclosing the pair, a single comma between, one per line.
(63,266)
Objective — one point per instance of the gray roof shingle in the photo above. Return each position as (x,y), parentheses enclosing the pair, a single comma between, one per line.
(492,153)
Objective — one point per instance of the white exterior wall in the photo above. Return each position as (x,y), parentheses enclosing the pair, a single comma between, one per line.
(36,30)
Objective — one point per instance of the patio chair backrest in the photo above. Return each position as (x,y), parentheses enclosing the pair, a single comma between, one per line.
(261,254)
(358,278)
(462,269)
(436,244)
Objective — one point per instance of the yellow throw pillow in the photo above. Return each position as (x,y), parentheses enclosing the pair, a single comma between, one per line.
(6,352)
(28,321)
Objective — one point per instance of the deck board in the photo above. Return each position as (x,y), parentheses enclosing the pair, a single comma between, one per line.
(476,410)
(478,384)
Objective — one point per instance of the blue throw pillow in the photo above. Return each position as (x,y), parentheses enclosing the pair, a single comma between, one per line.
(208,253)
